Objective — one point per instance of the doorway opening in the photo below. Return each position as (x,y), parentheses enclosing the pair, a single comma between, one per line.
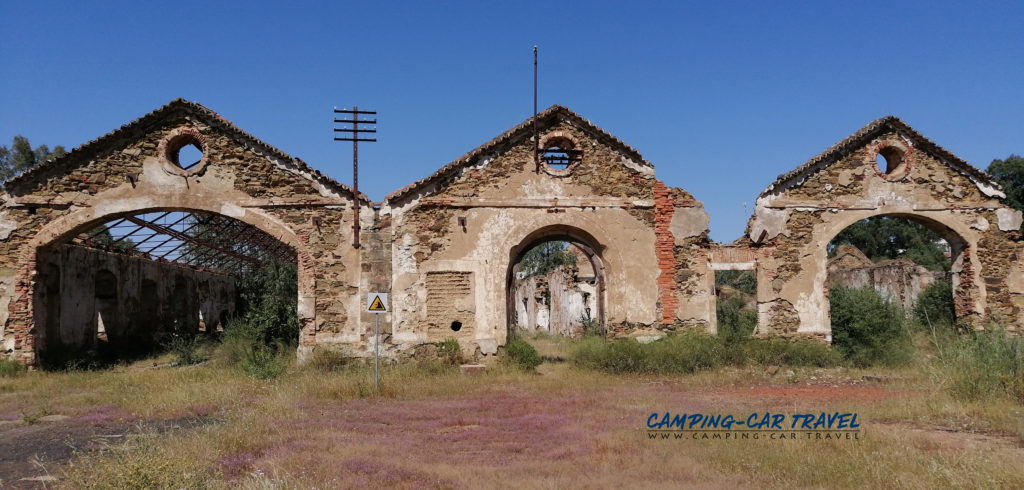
(556,286)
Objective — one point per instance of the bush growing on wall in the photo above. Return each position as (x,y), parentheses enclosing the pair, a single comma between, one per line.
(867,329)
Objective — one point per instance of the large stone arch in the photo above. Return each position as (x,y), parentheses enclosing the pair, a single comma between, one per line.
(69,225)
(969,290)
(803,210)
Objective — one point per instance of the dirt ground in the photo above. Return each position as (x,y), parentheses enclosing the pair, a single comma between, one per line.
(509,430)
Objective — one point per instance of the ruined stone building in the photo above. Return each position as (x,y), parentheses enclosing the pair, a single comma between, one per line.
(446,247)
(900,281)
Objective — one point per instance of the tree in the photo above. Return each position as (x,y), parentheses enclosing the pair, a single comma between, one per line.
(1010,174)
(545,257)
(882,238)
(21,157)
(106,240)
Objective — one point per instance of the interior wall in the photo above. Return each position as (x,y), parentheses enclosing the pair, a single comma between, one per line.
(90,296)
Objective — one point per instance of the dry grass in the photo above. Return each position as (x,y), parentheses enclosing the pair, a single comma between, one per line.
(565,427)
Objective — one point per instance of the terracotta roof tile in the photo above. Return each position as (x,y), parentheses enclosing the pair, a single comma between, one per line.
(208,116)
(865,135)
(546,118)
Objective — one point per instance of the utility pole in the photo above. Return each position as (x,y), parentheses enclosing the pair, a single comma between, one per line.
(536,143)
(353,136)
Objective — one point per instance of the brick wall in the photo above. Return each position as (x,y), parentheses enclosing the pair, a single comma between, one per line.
(664,208)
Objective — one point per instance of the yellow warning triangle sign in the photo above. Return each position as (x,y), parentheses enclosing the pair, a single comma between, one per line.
(377,304)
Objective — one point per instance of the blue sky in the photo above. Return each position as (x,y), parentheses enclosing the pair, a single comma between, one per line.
(720,96)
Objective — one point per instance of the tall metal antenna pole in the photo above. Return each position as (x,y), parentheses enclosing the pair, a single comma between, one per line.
(536,142)
(355,130)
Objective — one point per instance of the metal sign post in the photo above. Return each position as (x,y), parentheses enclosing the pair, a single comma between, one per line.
(376,303)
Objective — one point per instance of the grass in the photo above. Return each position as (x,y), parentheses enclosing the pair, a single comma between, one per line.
(322,425)
(693,351)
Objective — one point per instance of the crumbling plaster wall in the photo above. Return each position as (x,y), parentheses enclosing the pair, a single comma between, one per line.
(126,173)
(900,281)
(793,224)
(605,201)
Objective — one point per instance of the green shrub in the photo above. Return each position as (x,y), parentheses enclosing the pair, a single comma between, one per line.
(683,353)
(185,349)
(935,305)
(9,368)
(268,296)
(867,329)
(450,352)
(262,362)
(742,281)
(522,354)
(735,322)
(984,365)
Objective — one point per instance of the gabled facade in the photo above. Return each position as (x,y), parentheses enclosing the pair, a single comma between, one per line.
(457,234)
(134,169)
(802,211)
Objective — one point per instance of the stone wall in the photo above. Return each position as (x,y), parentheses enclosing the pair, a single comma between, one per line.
(556,302)
(899,281)
(477,214)
(87,295)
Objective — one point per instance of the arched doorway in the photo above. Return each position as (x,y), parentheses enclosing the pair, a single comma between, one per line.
(555,283)
(903,257)
(119,286)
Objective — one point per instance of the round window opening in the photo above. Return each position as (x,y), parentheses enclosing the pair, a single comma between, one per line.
(559,155)
(891,162)
(456,326)
(185,151)
(189,156)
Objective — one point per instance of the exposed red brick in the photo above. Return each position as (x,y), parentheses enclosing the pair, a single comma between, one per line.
(664,244)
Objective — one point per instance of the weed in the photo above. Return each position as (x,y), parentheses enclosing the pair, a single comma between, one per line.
(9,368)
(735,322)
(688,352)
(450,352)
(784,352)
(185,349)
(328,360)
(262,362)
(935,305)
(985,365)
(592,327)
(694,351)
